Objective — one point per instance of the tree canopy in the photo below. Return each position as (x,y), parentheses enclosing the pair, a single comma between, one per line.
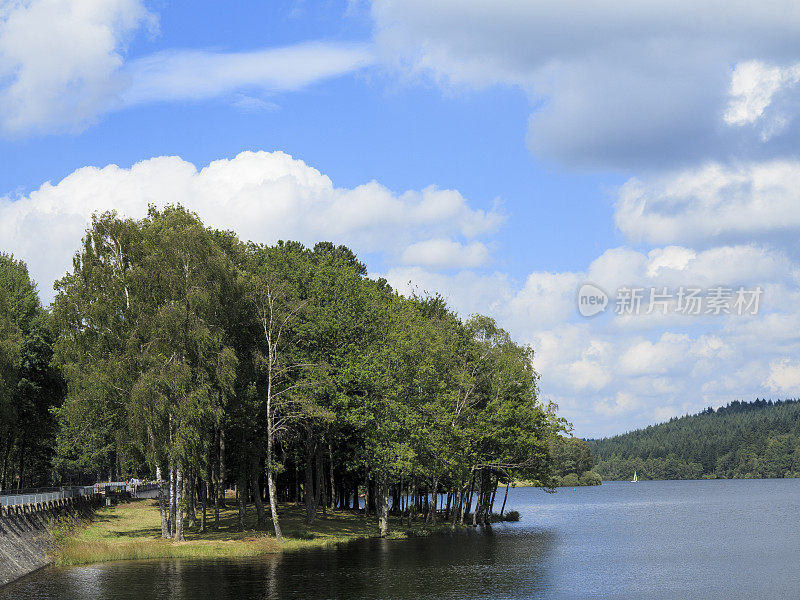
(283,371)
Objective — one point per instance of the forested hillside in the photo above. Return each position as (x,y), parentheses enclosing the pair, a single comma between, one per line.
(742,440)
(179,352)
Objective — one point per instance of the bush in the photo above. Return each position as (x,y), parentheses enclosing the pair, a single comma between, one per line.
(570,480)
(511,515)
(591,478)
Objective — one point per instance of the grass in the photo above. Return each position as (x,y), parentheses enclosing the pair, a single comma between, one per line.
(132,531)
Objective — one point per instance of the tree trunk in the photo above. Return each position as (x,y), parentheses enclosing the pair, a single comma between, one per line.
(308,491)
(478,498)
(332,481)
(297,494)
(273,504)
(191,486)
(366,495)
(172,498)
(319,491)
(204,492)
(216,490)
(505,497)
(383,505)
(434,504)
(163,510)
(241,488)
(468,500)
(179,509)
(491,503)
(222,473)
(412,500)
(255,475)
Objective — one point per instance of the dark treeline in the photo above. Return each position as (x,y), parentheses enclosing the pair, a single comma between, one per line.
(29,385)
(181,353)
(742,440)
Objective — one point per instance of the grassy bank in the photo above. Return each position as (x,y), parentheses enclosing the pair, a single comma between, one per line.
(132,531)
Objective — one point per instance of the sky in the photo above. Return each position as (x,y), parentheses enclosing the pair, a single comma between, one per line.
(500,153)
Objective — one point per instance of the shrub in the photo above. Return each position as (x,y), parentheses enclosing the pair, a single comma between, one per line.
(591,478)
(570,480)
(511,515)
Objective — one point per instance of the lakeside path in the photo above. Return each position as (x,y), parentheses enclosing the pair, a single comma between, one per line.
(132,531)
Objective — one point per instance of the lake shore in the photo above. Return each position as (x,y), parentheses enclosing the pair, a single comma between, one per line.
(132,531)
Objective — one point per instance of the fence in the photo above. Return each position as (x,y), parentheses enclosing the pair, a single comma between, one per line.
(42,495)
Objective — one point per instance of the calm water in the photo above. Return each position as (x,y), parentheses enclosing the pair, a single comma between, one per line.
(670,539)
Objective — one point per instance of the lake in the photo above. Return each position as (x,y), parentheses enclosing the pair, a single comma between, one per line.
(649,540)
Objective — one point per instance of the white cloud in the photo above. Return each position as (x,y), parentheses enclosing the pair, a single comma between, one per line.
(615,83)
(251,104)
(784,377)
(647,358)
(469,292)
(63,64)
(754,86)
(714,203)
(262,196)
(621,403)
(446,254)
(671,257)
(196,74)
(59,60)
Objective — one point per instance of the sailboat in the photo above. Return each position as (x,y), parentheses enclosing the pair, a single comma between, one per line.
(635,478)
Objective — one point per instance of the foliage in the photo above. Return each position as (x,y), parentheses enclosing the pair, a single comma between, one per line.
(759,439)
(29,386)
(218,363)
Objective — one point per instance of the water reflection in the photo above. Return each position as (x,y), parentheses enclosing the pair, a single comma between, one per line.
(468,564)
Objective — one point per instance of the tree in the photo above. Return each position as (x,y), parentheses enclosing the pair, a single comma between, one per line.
(30,386)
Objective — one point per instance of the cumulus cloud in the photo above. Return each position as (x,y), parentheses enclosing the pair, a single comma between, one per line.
(615,83)
(263,196)
(64,63)
(753,87)
(611,373)
(784,376)
(59,60)
(713,203)
(446,254)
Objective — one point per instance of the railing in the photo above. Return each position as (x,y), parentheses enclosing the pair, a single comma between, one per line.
(41,495)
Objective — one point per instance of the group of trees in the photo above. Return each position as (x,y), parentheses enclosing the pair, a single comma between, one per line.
(743,440)
(284,371)
(572,462)
(29,386)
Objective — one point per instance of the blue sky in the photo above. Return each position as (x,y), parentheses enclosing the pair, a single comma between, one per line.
(501,153)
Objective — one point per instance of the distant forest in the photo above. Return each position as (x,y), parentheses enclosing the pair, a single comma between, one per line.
(743,440)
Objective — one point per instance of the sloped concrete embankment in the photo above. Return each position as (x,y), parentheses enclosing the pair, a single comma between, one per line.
(25,538)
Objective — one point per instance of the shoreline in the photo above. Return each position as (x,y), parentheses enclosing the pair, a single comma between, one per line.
(132,531)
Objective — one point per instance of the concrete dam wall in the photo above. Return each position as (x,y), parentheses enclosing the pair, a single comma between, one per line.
(25,540)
